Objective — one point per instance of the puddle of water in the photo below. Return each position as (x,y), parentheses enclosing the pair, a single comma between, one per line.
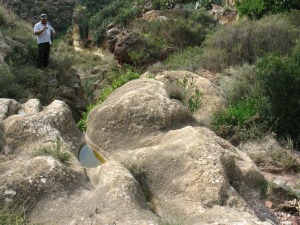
(90,158)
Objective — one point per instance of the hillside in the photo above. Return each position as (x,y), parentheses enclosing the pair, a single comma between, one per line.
(60,12)
(189,111)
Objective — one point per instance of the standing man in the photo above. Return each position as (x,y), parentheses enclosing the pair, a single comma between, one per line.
(43,31)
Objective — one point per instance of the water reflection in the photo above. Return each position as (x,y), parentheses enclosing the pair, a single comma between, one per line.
(87,157)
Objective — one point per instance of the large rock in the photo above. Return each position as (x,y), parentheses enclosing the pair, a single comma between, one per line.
(129,47)
(211,100)
(193,176)
(112,197)
(25,129)
(133,114)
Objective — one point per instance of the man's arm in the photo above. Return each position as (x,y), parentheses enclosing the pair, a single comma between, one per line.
(38,32)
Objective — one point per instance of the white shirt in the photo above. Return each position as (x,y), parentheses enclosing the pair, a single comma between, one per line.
(45,36)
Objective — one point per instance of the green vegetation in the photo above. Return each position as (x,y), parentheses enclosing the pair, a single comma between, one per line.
(180,30)
(278,81)
(185,91)
(12,214)
(246,41)
(255,9)
(56,152)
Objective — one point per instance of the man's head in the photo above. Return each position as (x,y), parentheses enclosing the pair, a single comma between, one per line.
(43,18)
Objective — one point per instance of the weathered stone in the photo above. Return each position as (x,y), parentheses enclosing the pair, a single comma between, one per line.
(32,106)
(8,107)
(135,111)
(29,131)
(113,197)
(193,176)
(24,180)
(211,99)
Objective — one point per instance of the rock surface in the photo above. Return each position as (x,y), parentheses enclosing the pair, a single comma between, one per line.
(193,176)
(25,129)
(133,115)
(159,168)
(113,197)
(211,100)
(128,47)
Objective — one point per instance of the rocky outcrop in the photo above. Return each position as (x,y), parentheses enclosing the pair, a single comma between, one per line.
(59,12)
(133,112)
(31,128)
(129,47)
(212,99)
(114,197)
(25,129)
(158,170)
(195,177)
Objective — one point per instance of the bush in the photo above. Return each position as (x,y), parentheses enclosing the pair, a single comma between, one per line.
(208,3)
(187,59)
(246,41)
(256,9)
(187,29)
(279,84)
(237,83)
(240,122)
(96,15)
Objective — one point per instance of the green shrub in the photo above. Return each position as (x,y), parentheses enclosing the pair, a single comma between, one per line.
(62,66)
(96,15)
(240,122)
(187,59)
(237,83)
(246,41)
(8,86)
(186,29)
(185,91)
(256,9)
(279,84)
(208,3)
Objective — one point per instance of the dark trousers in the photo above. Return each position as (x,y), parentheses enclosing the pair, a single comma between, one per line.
(44,51)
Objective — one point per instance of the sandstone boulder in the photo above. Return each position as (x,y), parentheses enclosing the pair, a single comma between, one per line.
(133,114)
(211,101)
(8,107)
(112,197)
(27,131)
(195,177)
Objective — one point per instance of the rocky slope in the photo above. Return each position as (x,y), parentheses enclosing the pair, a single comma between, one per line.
(160,165)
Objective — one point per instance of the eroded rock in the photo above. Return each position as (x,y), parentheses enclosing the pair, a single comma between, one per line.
(211,100)
(196,177)
(133,114)
(115,197)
